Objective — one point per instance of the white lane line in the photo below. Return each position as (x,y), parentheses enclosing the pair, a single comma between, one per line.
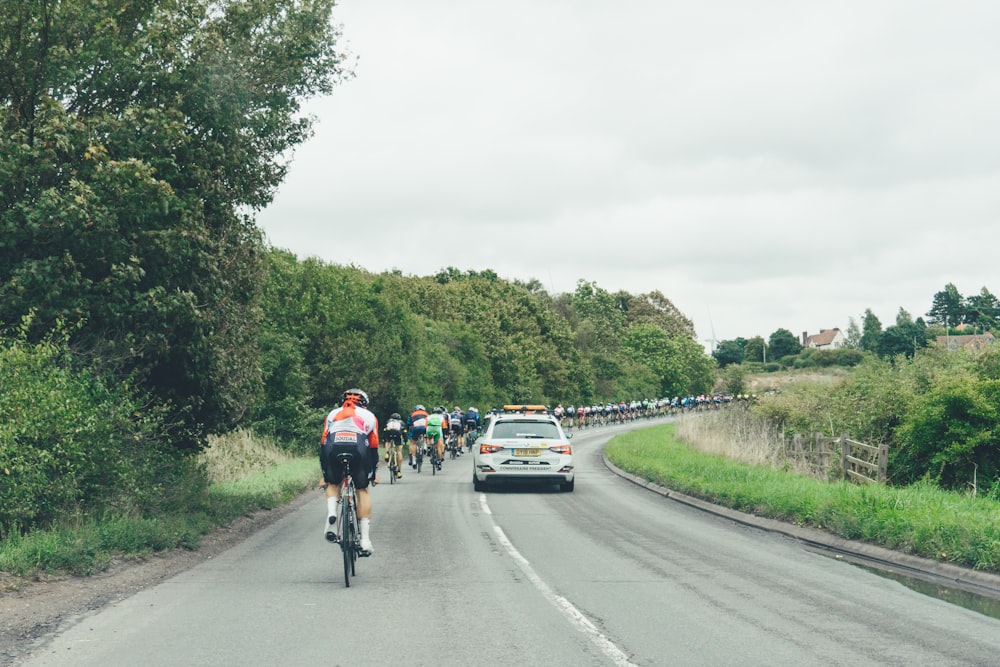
(575,616)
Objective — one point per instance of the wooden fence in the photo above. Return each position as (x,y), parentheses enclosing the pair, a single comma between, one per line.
(859,462)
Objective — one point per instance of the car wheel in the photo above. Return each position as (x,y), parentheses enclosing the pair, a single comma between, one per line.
(567,486)
(476,484)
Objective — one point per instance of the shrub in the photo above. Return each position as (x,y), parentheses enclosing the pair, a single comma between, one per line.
(70,442)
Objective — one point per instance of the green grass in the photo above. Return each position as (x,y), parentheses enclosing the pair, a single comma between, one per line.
(921,519)
(86,546)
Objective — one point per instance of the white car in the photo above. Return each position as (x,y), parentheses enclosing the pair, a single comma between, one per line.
(523,443)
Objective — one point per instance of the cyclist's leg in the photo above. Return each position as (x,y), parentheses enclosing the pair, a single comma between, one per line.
(440,448)
(332,473)
(364,508)
(398,452)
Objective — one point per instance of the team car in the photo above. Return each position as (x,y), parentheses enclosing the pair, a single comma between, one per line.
(523,443)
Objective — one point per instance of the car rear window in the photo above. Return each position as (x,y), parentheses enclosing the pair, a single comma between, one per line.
(525,429)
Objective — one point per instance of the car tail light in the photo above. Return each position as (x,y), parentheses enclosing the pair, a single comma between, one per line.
(489,449)
(561,449)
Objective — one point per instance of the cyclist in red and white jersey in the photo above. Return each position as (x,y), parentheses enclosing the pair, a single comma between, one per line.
(351,426)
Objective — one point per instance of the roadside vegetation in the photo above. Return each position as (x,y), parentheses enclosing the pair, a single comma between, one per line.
(234,476)
(920,519)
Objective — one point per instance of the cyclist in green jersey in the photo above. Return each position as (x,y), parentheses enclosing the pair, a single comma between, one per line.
(436,423)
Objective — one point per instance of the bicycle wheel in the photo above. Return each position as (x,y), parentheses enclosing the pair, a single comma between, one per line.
(434,462)
(347,538)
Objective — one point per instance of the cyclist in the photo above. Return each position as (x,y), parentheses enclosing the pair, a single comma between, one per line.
(456,427)
(436,423)
(394,441)
(417,424)
(472,424)
(351,427)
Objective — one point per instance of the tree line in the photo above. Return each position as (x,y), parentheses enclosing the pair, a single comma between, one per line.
(950,313)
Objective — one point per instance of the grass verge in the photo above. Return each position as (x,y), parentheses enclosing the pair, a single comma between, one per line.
(920,519)
(89,545)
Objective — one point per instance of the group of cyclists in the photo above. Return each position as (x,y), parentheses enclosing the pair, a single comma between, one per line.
(353,428)
(602,414)
(430,430)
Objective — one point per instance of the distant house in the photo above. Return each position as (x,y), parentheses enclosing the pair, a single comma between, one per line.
(970,341)
(826,339)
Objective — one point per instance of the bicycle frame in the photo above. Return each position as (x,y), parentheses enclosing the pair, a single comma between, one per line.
(348,524)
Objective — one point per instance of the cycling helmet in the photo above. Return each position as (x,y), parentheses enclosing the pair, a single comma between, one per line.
(420,407)
(395,415)
(356,396)
(439,410)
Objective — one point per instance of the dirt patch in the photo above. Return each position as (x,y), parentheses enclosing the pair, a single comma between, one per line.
(32,611)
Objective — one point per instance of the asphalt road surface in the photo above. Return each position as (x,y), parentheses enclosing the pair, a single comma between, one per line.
(610,574)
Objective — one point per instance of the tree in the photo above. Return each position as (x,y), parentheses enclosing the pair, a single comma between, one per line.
(871,331)
(136,140)
(729,352)
(783,343)
(755,349)
(853,335)
(983,310)
(947,307)
(904,337)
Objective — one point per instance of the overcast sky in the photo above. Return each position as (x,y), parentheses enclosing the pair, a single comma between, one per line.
(768,164)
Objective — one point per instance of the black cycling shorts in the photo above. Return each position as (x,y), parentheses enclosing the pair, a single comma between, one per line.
(345,442)
(394,438)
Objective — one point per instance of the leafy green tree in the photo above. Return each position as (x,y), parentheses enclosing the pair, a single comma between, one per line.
(755,349)
(903,338)
(136,139)
(947,307)
(729,352)
(853,335)
(783,343)
(603,310)
(734,379)
(983,310)
(871,331)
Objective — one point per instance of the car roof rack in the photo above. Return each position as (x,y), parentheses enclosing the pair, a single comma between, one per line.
(527,409)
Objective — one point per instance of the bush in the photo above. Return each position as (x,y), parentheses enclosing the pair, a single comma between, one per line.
(951,435)
(70,442)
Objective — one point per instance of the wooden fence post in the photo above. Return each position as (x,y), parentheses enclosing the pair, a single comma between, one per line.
(883,463)
(845,449)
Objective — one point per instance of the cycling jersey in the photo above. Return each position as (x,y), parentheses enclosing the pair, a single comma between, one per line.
(417,423)
(352,429)
(435,422)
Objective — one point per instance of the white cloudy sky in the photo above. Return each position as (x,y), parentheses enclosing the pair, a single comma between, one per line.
(766,164)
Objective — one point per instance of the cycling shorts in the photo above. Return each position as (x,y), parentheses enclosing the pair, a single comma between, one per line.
(417,432)
(434,434)
(394,438)
(345,442)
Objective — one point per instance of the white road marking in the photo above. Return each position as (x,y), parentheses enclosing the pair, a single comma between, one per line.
(575,616)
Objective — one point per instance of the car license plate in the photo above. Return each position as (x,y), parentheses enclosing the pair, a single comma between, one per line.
(527,452)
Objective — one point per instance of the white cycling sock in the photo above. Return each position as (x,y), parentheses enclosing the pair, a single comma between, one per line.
(364,528)
(331,506)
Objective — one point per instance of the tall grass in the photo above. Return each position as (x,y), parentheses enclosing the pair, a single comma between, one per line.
(920,519)
(239,475)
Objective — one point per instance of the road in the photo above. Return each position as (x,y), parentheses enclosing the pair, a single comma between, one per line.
(610,574)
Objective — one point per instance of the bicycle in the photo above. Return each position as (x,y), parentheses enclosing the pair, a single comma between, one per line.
(435,461)
(348,526)
(419,456)
(390,458)
(453,445)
